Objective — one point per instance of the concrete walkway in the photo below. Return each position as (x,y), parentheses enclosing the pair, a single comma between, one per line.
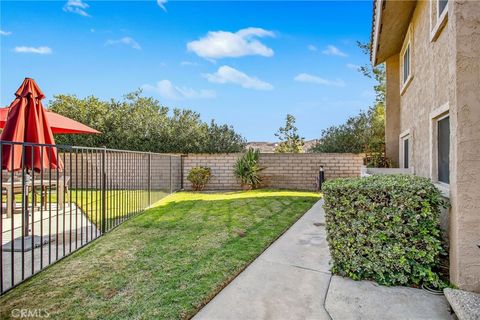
(291,280)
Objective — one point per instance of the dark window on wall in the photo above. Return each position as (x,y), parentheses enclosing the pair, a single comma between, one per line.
(442,4)
(405,153)
(406,64)
(444,150)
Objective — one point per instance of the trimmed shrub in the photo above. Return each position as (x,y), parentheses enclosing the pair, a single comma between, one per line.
(384,228)
(199,177)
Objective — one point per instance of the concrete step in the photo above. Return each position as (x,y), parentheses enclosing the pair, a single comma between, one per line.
(465,304)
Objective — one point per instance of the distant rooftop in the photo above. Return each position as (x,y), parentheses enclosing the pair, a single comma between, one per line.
(269,147)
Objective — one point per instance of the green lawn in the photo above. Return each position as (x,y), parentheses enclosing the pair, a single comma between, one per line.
(165,263)
(119,203)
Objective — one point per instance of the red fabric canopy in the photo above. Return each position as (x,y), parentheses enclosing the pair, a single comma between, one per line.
(27,122)
(59,124)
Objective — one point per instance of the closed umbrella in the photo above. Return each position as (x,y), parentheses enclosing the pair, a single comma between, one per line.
(27,122)
(28,125)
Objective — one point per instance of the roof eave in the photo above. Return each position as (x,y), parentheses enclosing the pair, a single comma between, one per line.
(390,24)
(377,20)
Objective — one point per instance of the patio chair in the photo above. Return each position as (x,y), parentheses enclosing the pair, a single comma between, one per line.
(42,191)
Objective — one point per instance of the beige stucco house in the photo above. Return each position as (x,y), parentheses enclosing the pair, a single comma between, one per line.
(431,50)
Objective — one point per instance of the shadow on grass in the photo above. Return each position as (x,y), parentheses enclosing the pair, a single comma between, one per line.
(165,263)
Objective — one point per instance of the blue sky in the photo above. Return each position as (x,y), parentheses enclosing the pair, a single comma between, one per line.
(246,63)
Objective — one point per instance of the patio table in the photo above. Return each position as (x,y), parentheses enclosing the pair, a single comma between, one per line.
(17,189)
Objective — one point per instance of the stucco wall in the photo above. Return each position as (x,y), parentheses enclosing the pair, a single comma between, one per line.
(428,89)
(446,78)
(290,171)
(464,23)
(392,112)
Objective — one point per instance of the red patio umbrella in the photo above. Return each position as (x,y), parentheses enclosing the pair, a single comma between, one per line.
(27,122)
(59,124)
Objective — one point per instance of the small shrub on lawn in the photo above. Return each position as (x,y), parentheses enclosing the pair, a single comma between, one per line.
(384,228)
(199,177)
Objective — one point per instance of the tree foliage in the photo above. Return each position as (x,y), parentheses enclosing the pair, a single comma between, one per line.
(365,132)
(141,123)
(362,133)
(290,140)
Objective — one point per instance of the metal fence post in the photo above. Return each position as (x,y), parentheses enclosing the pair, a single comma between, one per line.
(104,191)
(149,178)
(181,170)
(170,173)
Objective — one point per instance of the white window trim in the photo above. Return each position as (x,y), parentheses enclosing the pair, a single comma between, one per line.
(440,21)
(405,135)
(435,116)
(408,42)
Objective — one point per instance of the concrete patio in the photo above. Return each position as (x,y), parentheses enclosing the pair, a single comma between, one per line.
(291,280)
(67,229)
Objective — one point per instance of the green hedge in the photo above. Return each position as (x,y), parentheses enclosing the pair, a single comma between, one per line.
(384,228)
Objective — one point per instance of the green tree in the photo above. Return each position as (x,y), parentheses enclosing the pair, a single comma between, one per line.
(142,124)
(222,138)
(290,140)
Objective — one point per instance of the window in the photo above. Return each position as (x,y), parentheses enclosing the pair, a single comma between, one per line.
(406,60)
(406,63)
(438,17)
(443,149)
(442,4)
(405,153)
(405,150)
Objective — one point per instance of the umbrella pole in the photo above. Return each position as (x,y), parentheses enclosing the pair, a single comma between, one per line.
(25,203)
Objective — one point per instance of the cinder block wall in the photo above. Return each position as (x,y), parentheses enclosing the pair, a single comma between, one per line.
(221,166)
(124,170)
(286,171)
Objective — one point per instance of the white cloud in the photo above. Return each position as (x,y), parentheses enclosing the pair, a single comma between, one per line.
(76,6)
(311,47)
(222,44)
(334,51)
(37,50)
(161,4)
(352,66)
(167,90)
(5,33)
(226,74)
(127,41)
(305,77)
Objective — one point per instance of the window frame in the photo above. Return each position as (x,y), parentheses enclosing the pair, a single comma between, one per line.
(405,136)
(407,44)
(406,66)
(440,14)
(437,20)
(437,120)
(436,115)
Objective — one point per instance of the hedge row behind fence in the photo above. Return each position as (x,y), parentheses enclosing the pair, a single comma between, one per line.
(384,228)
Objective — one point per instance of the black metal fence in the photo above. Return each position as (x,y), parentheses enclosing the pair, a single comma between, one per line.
(57,198)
